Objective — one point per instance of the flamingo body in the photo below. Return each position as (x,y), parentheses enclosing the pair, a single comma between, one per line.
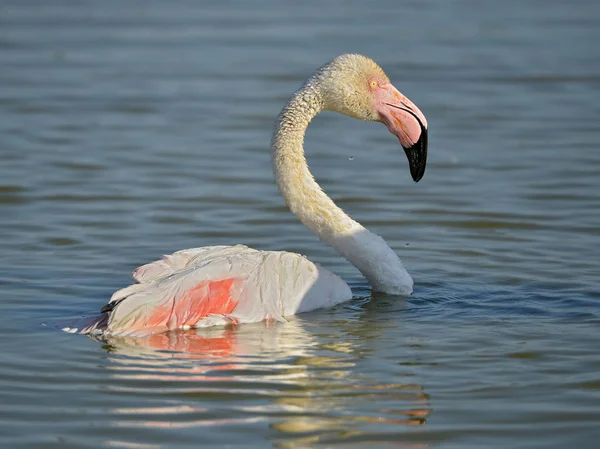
(215,285)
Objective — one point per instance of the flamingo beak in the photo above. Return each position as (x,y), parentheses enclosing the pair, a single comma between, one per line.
(407,122)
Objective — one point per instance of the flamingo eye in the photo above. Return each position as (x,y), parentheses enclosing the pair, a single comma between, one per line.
(373,84)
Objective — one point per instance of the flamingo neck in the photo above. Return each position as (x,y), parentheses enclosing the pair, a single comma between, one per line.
(366,251)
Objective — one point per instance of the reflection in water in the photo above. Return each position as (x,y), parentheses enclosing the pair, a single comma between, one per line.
(302,385)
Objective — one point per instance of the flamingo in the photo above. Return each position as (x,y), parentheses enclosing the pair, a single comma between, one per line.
(219,285)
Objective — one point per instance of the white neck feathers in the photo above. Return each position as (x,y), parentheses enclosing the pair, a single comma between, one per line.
(305,198)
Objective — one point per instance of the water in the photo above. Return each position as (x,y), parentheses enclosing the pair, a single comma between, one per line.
(133,129)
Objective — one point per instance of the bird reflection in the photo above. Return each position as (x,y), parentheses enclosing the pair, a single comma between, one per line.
(299,379)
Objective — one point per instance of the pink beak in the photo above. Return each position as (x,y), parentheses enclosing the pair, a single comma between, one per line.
(407,122)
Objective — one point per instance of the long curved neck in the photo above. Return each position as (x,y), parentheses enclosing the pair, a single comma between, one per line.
(366,251)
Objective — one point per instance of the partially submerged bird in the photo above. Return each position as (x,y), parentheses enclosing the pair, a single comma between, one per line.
(215,285)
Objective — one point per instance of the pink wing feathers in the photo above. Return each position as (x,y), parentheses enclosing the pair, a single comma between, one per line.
(178,291)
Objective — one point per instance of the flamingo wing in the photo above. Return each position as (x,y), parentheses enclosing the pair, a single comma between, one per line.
(217,285)
(171,263)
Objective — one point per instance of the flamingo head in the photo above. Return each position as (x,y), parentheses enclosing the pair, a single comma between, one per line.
(356,86)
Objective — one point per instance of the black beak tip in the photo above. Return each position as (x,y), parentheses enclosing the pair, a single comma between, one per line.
(417,156)
(417,176)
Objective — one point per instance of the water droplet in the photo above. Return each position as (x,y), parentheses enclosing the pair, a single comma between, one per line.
(351,158)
